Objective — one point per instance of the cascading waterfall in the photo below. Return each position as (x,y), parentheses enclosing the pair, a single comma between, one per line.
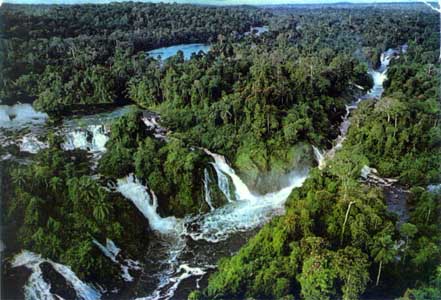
(31,144)
(251,211)
(379,76)
(131,188)
(22,116)
(223,183)
(241,190)
(319,157)
(247,212)
(92,138)
(38,289)
(244,211)
(207,191)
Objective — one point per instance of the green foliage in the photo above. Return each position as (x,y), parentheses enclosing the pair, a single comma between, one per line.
(65,56)
(430,291)
(171,169)
(399,133)
(301,249)
(60,210)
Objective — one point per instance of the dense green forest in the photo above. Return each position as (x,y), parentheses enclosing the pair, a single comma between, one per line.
(259,100)
(337,238)
(58,209)
(81,54)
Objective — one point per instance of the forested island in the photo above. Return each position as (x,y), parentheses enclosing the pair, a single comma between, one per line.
(284,152)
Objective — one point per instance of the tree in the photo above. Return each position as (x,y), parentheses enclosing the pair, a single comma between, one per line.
(317,277)
(383,251)
(352,267)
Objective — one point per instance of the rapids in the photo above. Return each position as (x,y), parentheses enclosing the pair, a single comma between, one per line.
(208,232)
(38,289)
(185,250)
(379,76)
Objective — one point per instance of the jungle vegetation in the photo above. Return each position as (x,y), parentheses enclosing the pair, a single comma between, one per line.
(254,99)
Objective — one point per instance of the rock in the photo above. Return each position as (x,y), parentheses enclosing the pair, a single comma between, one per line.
(59,285)
(14,279)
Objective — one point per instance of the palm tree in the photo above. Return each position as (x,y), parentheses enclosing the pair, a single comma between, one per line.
(101,207)
(19,177)
(383,250)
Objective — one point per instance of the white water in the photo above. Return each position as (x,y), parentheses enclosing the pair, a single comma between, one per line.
(379,76)
(111,251)
(92,138)
(249,211)
(131,188)
(184,271)
(241,190)
(17,117)
(207,191)
(223,183)
(151,121)
(319,157)
(31,144)
(88,132)
(38,289)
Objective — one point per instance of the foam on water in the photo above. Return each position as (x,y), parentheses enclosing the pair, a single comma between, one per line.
(249,211)
(244,215)
(38,289)
(380,75)
(184,271)
(91,138)
(111,251)
(319,157)
(31,144)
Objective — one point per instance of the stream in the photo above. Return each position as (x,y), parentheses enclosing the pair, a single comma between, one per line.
(185,250)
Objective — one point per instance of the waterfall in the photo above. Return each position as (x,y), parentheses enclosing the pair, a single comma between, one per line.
(110,249)
(241,190)
(207,193)
(218,225)
(223,183)
(31,144)
(92,138)
(20,116)
(380,75)
(320,158)
(38,288)
(131,188)
(252,211)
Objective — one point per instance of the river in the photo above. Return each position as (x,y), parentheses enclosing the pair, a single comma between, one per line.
(189,49)
(184,251)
